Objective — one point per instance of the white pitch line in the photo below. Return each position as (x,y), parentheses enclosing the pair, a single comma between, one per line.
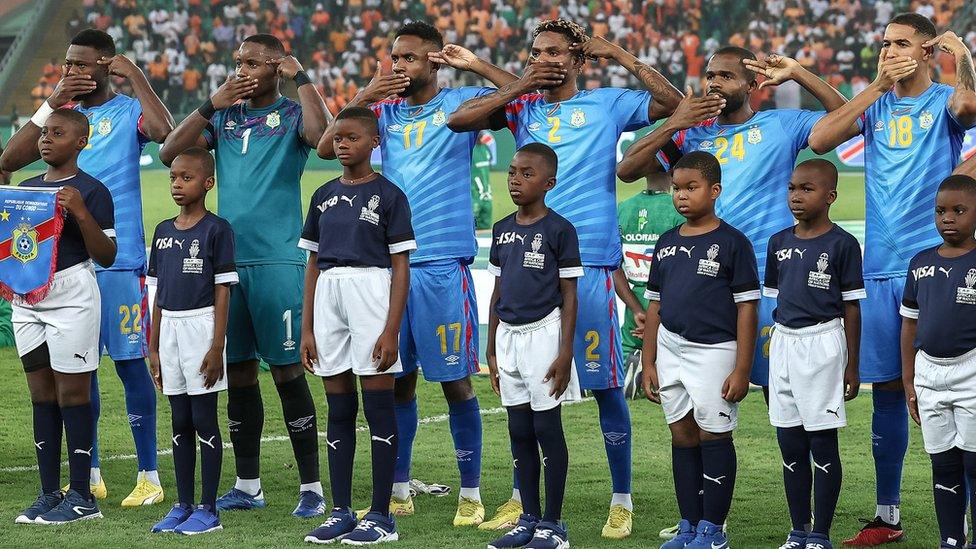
(276,438)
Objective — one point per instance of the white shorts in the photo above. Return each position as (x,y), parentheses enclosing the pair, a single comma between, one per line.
(691,376)
(68,320)
(351,307)
(946,391)
(524,353)
(185,338)
(806,376)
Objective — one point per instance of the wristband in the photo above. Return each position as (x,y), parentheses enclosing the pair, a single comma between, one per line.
(301,78)
(207,110)
(42,114)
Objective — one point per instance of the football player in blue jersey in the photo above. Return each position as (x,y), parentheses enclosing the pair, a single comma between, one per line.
(120,127)
(913,131)
(432,165)
(261,142)
(583,127)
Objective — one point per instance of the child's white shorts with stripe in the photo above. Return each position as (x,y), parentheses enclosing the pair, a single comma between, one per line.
(691,376)
(185,338)
(946,392)
(67,319)
(806,376)
(351,308)
(523,354)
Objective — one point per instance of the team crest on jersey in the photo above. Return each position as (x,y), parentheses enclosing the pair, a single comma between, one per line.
(967,295)
(533,259)
(534,126)
(273,120)
(705,145)
(369,212)
(24,247)
(925,120)
(439,118)
(577,119)
(709,267)
(754,135)
(879,126)
(820,279)
(104,126)
(193,264)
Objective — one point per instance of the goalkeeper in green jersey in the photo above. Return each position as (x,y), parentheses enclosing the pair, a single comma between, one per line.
(481,161)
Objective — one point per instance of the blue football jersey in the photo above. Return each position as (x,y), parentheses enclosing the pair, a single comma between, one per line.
(584,131)
(910,145)
(115,144)
(432,165)
(757,159)
(940,292)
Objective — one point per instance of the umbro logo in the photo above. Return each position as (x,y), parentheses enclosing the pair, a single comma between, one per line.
(615,439)
(301,423)
(231,423)
(462,455)
(388,440)
(133,419)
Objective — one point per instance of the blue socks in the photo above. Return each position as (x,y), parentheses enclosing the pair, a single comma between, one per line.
(797,475)
(211,446)
(47,442)
(525,448)
(718,474)
(465,421)
(341,440)
(555,459)
(406,420)
(686,467)
(184,447)
(889,434)
(78,426)
(378,409)
(140,405)
(96,404)
(827,477)
(949,492)
(615,424)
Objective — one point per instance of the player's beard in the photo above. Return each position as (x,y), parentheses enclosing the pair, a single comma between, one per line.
(734,103)
(413,87)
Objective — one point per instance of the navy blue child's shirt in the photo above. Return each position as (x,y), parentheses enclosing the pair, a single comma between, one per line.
(529,261)
(700,279)
(358,225)
(940,292)
(98,200)
(811,278)
(185,264)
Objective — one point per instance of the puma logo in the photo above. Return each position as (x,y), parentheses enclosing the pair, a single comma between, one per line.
(822,467)
(790,466)
(179,242)
(726,416)
(945,271)
(175,437)
(800,252)
(345,198)
(944,488)
(332,443)
(388,440)
(83,452)
(515,463)
(83,357)
(39,444)
(716,480)
(829,411)
(686,250)
(521,238)
(208,442)
(544,458)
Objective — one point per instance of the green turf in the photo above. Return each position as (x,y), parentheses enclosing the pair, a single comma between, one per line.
(759,517)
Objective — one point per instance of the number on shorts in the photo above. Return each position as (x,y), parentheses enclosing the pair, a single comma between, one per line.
(455,327)
(765,334)
(286,318)
(133,314)
(593,338)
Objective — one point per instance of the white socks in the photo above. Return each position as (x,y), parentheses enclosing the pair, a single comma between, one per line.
(311,487)
(251,486)
(889,513)
(96,475)
(471,493)
(517,495)
(401,490)
(623,500)
(151,476)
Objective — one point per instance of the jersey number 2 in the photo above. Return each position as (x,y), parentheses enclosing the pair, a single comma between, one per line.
(133,314)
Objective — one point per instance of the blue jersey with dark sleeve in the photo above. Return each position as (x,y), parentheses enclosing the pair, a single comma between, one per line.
(529,261)
(432,165)
(700,279)
(811,278)
(115,144)
(185,264)
(98,201)
(358,225)
(584,130)
(757,159)
(910,145)
(940,292)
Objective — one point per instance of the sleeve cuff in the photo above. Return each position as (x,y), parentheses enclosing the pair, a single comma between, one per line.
(109,232)
(151,281)
(750,295)
(652,295)
(908,312)
(306,244)
(405,246)
(226,278)
(571,272)
(770,292)
(854,295)
(494,270)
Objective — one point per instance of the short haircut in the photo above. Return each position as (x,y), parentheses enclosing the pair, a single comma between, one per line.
(922,25)
(98,40)
(365,116)
(825,167)
(422,30)
(544,152)
(705,163)
(740,54)
(202,156)
(269,41)
(74,119)
(959,183)
(574,32)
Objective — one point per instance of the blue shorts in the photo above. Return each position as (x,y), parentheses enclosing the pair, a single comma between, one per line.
(439,333)
(124,332)
(880,359)
(597,349)
(760,361)
(265,314)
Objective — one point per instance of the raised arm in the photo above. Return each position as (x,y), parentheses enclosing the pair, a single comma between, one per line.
(157,122)
(315,117)
(967,168)
(963,100)
(462,59)
(640,157)
(480,112)
(841,124)
(189,133)
(778,69)
(665,96)
(99,245)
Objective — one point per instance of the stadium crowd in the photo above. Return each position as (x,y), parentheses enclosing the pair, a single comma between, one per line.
(185,46)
